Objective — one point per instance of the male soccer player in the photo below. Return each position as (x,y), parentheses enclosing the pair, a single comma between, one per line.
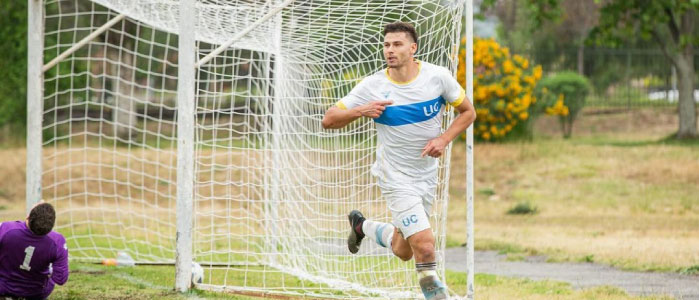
(406,102)
(32,257)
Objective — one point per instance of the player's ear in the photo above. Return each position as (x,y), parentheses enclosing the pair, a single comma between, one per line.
(413,48)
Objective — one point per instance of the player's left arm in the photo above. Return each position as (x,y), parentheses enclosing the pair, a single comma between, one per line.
(467,114)
(60,264)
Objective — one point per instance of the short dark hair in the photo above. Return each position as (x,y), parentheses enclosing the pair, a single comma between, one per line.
(41,219)
(401,27)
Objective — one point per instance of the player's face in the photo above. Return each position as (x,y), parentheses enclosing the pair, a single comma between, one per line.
(398,49)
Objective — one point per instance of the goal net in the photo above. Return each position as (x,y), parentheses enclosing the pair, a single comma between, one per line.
(272,188)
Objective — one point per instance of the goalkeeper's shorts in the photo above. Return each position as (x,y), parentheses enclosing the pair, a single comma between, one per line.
(409,200)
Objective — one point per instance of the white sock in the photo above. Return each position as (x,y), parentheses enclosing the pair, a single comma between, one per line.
(381,233)
(431,286)
(426,269)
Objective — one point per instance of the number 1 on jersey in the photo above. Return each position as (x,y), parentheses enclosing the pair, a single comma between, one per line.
(27,258)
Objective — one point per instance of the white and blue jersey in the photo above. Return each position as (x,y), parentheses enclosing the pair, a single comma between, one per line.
(414,118)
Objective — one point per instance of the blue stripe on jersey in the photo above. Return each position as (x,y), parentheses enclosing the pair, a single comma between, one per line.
(410,113)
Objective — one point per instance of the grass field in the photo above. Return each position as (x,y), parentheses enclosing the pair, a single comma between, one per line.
(99,282)
(616,193)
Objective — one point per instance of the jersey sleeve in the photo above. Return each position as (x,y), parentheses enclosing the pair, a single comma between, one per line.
(452,91)
(358,96)
(4,228)
(60,264)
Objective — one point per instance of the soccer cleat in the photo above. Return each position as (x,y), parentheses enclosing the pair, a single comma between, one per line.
(433,289)
(356,235)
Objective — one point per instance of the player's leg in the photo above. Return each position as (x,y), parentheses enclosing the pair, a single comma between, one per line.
(422,244)
(379,232)
(416,228)
(401,247)
(45,292)
(48,289)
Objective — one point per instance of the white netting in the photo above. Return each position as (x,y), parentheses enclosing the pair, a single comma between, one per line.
(271,187)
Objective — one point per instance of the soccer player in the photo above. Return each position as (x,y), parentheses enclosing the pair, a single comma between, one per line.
(406,101)
(32,257)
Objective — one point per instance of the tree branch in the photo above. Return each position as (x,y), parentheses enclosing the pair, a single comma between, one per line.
(663,46)
(672,23)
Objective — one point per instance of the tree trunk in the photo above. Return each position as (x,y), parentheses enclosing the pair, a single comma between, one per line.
(687,106)
(581,59)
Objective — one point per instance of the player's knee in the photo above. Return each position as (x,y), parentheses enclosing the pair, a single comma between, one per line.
(424,251)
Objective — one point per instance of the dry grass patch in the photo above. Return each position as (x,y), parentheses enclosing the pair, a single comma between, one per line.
(630,206)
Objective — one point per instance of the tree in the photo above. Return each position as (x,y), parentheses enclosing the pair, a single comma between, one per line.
(13,50)
(545,28)
(671,24)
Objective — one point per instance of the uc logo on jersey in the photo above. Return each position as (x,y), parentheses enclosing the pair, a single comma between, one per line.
(409,220)
(433,108)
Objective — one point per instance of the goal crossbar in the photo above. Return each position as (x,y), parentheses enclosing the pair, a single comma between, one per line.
(242,33)
(82,42)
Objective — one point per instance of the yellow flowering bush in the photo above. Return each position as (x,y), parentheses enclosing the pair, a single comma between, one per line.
(558,108)
(563,95)
(503,84)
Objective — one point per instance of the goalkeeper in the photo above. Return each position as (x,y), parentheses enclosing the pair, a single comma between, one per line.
(406,101)
(33,259)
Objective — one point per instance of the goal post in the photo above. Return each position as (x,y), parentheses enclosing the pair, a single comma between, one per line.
(185,144)
(35,88)
(470,262)
(180,131)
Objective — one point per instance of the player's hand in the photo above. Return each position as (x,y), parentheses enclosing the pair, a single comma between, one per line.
(374,109)
(434,148)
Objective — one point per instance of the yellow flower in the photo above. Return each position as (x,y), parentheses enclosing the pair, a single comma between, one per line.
(504,85)
(526,100)
(508,67)
(521,61)
(500,91)
(538,72)
(529,80)
(481,94)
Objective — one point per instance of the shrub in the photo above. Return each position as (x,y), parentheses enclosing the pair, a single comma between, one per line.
(523,208)
(503,88)
(563,94)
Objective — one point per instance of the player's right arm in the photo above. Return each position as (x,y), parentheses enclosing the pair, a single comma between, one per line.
(60,264)
(355,105)
(338,117)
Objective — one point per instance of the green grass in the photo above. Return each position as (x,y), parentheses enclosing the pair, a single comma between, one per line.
(89,281)
(496,287)
(143,282)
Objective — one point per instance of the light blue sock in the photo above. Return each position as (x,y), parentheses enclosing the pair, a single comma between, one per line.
(381,233)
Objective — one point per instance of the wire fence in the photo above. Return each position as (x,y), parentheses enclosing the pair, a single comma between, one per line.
(620,78)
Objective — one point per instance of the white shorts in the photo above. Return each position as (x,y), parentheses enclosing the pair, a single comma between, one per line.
(410,200)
